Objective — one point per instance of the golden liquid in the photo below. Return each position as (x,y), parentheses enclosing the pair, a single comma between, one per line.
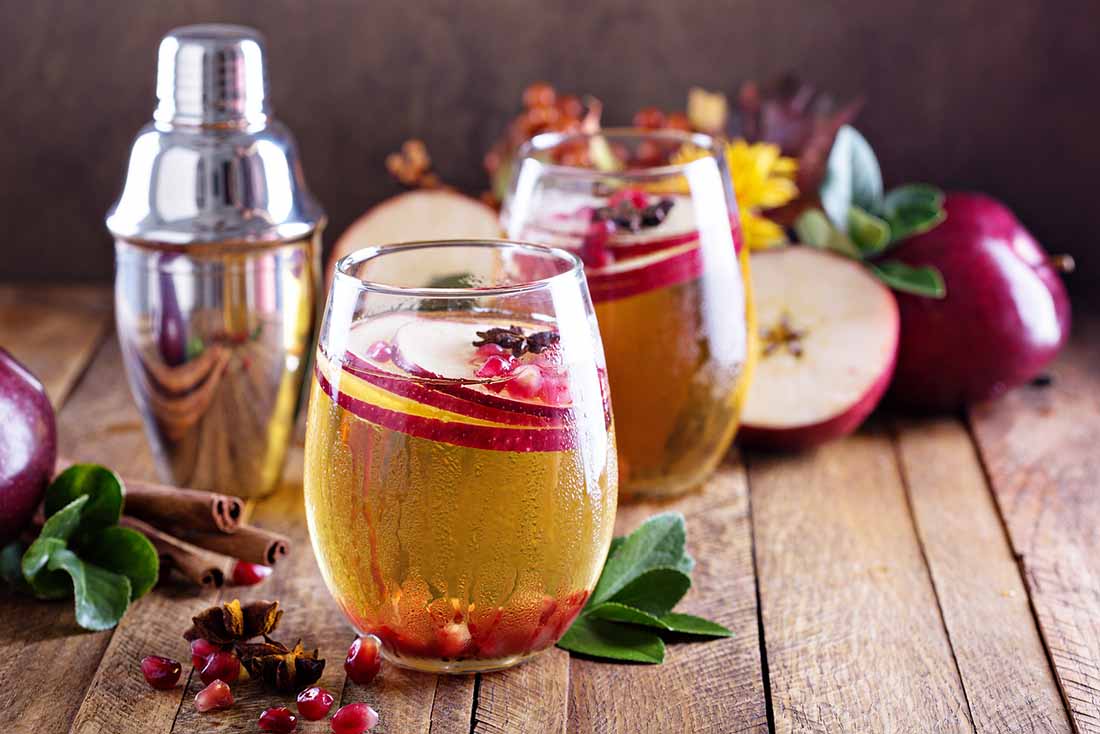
(676,405)
(456,558)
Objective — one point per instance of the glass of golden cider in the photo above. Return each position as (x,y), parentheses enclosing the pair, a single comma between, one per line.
(460,464)
(652,215)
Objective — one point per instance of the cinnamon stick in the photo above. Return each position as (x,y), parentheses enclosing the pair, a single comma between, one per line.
(170,507)
(249,543)
(203,567)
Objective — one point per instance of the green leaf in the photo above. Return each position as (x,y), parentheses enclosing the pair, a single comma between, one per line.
(689,624)
(613,611)
(616,543)
(101,596)
(657,543)
(852,177)
(912,209)
(603,639)
(655,592)
(101,485)
(57,529)
(11,566)
(44,583)
(921,281)
(871,234)
(127,552)
(814,228)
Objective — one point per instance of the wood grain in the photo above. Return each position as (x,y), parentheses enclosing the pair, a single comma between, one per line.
(1039,445)
(1005,672)
(854,638)
(714,686)
(528,698)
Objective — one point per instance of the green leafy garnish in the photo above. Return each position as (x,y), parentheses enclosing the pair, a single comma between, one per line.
(859,221)
(81,550)
(646,574)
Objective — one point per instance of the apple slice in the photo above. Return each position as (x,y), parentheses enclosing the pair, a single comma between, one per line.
(413,216)
(829,332)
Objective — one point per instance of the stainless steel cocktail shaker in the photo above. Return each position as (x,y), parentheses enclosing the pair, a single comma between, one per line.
(217,257)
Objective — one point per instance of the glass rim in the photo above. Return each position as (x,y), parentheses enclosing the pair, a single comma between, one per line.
(575,268)
(547,141)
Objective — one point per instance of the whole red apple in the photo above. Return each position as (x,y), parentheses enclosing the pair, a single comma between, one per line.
(1005,316)
(28,445)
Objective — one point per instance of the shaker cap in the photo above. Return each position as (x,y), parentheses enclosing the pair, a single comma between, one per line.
(211,74)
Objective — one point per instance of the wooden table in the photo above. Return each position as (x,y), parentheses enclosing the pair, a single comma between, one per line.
(938,575)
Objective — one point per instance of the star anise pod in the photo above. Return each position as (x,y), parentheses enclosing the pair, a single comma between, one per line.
(627,216)
(232,622)
(283,669)
(515,340)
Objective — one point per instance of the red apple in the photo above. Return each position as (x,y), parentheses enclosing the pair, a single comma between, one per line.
(830,335)
(1005,316)
(28,445)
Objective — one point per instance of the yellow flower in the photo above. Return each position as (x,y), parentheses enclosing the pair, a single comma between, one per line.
(762,179)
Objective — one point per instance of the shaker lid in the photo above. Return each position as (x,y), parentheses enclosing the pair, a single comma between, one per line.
(214,165)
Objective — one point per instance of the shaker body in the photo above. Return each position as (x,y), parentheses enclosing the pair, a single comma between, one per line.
(216,341)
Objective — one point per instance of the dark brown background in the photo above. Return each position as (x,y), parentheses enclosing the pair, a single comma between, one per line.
(997,95)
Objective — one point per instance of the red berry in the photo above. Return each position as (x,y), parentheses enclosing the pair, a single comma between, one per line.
(222,665)
(215,696)
(526,381)
(249,574)
(650,118)
(314,703)
(200,651)
(380,352)
(539,94)
(496,366)
(355,718)
(278,720)
(364,660)
(160,673)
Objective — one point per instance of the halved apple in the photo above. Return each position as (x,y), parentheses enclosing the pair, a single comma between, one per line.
(829,341)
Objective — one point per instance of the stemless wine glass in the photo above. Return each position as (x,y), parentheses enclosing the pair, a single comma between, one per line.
(460,466)
(653,217)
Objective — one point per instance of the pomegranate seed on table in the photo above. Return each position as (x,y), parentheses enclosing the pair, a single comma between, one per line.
(249,574)
(279,720)
(364,660)
(161,673)
(355,718)
(222,665)
(314,703)
(200,651)
(214,697)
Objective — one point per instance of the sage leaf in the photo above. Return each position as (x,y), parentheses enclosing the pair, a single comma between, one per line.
(57,528)
(921,281)
(103,488)
(655,592)
(101,596)
(657,543)
(814,228)
(870,234)
(689,624)
(852,177)
(912,209)
(603,639)
(127,552)
(613,611)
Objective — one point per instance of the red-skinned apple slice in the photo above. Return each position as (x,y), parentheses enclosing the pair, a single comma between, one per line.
(830,339)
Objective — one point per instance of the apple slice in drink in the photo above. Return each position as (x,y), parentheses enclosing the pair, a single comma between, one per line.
(830,339)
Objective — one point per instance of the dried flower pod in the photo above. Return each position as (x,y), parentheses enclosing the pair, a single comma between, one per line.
(232,622)
(283,669)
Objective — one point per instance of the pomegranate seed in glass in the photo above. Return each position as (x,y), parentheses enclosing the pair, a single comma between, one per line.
(355,718)
(314,703)
(161,673)
(215,696)
(278,720)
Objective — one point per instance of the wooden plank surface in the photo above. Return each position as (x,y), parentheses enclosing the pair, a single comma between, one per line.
(715,686)
(853,634)
(37,640)
(1005,672)
(1041,448)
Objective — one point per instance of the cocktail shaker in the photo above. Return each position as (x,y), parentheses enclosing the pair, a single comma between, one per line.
(217,258)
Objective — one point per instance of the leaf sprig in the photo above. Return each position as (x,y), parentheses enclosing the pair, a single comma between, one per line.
(860,221)
(646,574)
(82,551)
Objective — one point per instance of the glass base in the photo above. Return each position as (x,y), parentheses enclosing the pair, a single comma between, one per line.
(458,667)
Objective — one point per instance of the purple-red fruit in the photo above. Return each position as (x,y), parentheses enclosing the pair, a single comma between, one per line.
(28,445)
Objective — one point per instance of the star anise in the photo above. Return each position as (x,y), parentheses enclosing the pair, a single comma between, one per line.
(233,622)
(515,340)
(283,669)
(627,216)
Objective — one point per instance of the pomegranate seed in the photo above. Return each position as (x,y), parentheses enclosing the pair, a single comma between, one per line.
(364,660)
(453,639)
(200,651)
(526,381)
(490,350)
(314,703)
(160,673)
(215,696)
(496,366)
(222,665)
(355,718)
(278,720)
(635,197)
(380,351)
(555,390)
(249,574)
